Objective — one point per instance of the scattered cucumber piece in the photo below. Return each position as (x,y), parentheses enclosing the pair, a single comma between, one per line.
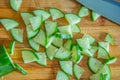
(62,76)
(104,45)
(58,42)
(83,12)
(87,52)
(75,28)
(97,76)
(110,60)
(95,16)
(68,44)
(93,49)
(109,39)
(63,35)
(11,49)
(49,41)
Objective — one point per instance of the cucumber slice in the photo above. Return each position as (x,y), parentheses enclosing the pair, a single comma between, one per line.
(83,12)
(35,46)
(109,39)
(9,23)
(36,22)
(94,64)
(29,56)
(42,13)
(40,38)
(41,58)
(93,50)
(72,18)
(51,27)
(20,69)
(17,34)
(26,17)
(75,28)
(62,54)
(110,60)
(63,36)
(58,42)
(68,44)
(62,76)
(78,71)
(96,76)
(49,41)
(51,51)
(15,4)
(105,45)
(66,66)
(87,52)
(56,13)
(11,49)
(95,16)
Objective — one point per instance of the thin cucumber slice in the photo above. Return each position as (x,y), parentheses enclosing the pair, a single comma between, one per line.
(62,76)
(95,16)
(49,41)
(29,56)
(20,69)
(58,42)
(72,18)
(42,13)
(75,28)
(94,64)
(83,12)
(62,54)
(40,38)
(35,46)
(110,60)
(66,66)
(9,23)
(36,22)
(97,76)
(41,58)
(56,13)
(109,39)
(17,34)
(105,45)
(68,44)
(11,49)
(78,71)
(51,27)
(26,17)
(51,51)
(63,35)
(15,4)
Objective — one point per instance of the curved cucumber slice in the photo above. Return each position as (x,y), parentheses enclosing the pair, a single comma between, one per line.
(104,45)
(12,45)
(15,4)
(57,42)
(95,16)
(42,13)
(9,23)
(78,71)
(94,64)
(68,44)
(63,36)
(110,60)
(41,58)
(62,54)
(109,39)
(72,18)
(66,66)
(83,12)
(17,34)
(56,13)
(62,76)
(75,28)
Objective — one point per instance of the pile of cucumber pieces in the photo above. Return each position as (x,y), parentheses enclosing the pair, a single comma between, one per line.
(58,43)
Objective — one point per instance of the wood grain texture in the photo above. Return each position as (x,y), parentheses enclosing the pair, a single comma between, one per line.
(97,29)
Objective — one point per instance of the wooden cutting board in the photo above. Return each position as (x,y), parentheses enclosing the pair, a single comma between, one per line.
(97,29)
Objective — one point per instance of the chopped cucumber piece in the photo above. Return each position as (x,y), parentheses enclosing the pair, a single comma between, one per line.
(49,41)
(40,38)
(35,46)
(20,69)
(83,12)
(109,39)
(15,4)
(51,27)
(72,18)
(93,50)
(58,42)
(105,45)
(63,35)
(56,13)
(75,28)
(36,22)
(62,76)
(9,23)
(42,13)
(29,56)
(51,51)
(66,66)
(87,52)
(95,16)
(62,54)
(68,44)
(78,71)
(94,64)
(17,34)
(96,76)
(41,58)
(110,60)
(11,49)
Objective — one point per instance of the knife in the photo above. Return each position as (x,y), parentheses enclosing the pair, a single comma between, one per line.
(107,8)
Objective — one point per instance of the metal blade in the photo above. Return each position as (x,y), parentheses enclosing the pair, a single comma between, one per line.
(107,8)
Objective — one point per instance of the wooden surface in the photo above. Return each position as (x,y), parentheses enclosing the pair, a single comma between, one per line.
(97,29)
